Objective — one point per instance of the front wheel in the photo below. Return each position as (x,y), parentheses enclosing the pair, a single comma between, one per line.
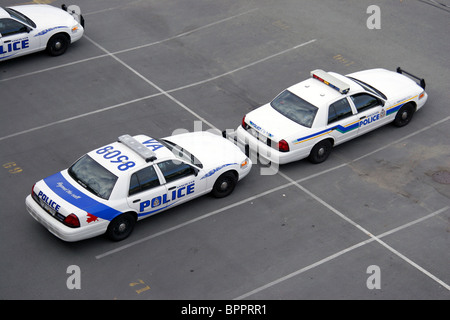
(404,115)
(121,227)
(57,44)
(320,152)
(224,185)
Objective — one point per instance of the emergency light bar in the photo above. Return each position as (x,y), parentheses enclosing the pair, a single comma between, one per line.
(147,154)
(330,81)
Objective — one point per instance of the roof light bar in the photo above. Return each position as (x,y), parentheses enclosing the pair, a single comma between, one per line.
(330,81)
(147,154)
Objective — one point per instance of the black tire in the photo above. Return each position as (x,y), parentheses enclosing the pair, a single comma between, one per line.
(121,227)
(58,44)
(224,185)
(404,115)
(320,152)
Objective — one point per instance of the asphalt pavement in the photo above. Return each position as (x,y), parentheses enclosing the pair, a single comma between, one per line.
(372,222)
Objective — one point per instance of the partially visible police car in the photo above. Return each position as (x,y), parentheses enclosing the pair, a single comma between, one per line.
(29,28)
(309,118)
(110,188)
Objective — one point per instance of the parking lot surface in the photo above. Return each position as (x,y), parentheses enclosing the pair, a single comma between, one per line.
(303,232)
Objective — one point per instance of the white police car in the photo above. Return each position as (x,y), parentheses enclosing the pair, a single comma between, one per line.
(110,188)
(309,118)
(29,28)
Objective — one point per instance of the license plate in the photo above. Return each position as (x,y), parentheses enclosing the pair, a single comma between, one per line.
(258,136)
(47,208)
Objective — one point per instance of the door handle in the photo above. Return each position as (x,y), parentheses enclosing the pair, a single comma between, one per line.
(172,188)
(137,200)
(362,117)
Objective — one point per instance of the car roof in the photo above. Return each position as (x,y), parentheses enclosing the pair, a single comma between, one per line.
(140,149)
(321,94)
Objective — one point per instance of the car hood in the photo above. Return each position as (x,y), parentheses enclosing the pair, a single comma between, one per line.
(46,16)
(392,84)
(210,149)
(272,124)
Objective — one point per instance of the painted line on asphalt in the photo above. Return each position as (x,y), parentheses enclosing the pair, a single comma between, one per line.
(152,95)
(340,253)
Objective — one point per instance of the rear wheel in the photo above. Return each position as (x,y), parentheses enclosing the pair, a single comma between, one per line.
(58,44)
(320,152)
(224,185)
(404,115)
(121,227)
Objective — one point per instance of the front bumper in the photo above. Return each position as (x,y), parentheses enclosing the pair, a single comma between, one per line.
(60,230)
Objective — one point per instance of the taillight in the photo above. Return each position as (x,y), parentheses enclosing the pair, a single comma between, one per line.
(283,146)
(32,189)
(72,221)
(244,125)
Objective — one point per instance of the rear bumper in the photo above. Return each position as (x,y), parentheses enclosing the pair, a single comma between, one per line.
(259,149)
(60,230)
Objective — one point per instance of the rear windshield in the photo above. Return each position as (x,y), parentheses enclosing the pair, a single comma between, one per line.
(93,177)
(295,108)
(19,16)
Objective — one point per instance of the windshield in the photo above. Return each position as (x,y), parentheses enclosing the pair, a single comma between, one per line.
(295,108)
(19,16)
(93,177)
(369,88)
(181,153)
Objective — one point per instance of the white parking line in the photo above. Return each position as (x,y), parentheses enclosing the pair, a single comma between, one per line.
(131,49)
(340,253)
(151,83)
(184,224)
(149,96)
(187,32)
(290,183)
(341,215)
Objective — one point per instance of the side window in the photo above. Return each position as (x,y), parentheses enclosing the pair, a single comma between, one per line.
(142,180)
(339,110)
(9,27)
(173,170)
(364,101)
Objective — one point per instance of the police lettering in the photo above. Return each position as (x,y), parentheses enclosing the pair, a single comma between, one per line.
(153,144)
(369,119)
(166,198)
(52,204)
(14,46)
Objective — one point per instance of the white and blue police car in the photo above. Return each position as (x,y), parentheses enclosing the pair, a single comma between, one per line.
(108,189)
(30,28)
(307,119)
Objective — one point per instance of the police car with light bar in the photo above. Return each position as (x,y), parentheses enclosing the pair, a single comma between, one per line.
(308,119)
(30,28)
(110,188)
